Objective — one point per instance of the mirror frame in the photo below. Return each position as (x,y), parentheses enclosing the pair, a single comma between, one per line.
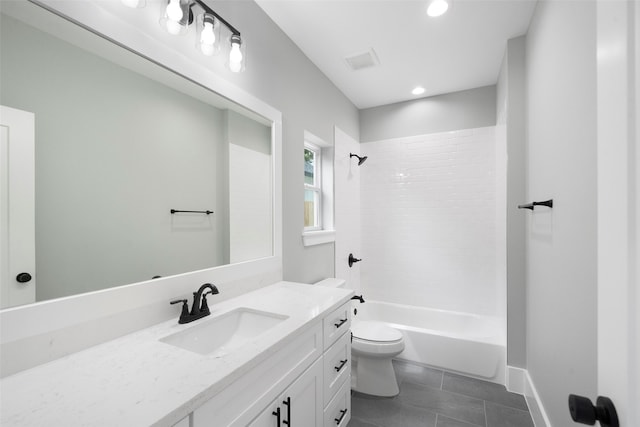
(143,304)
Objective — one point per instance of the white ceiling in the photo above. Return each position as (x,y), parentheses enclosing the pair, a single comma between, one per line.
(461,50)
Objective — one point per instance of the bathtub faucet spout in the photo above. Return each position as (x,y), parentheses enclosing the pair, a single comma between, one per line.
(359,298)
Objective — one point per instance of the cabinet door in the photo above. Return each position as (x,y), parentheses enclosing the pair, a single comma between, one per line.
(300,405)
(305,397)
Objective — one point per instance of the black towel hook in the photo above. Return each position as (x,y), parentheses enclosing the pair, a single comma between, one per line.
(531,206)
(353,260)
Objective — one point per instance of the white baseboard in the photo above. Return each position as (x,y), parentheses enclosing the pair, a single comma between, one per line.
(519,381)
(515,380)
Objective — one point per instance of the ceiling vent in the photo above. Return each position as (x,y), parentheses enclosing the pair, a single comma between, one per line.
(362,60)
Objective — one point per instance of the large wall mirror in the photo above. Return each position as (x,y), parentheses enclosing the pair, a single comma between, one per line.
(119,142)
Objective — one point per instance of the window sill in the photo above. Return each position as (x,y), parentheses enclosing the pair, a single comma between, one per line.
(311,238)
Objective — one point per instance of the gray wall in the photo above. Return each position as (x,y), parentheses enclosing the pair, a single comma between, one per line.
(466,109)
(281,75)
(561,243)
(511,114)
(114,152)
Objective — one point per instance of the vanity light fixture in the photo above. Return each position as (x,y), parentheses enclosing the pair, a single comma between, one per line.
(177,15)
(438,7)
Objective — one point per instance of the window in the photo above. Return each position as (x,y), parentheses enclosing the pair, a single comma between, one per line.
(312,187)
(318,191)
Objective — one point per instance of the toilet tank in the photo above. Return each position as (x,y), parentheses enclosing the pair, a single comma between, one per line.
(332,283)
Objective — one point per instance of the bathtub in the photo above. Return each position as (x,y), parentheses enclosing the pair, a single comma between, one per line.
(459,342)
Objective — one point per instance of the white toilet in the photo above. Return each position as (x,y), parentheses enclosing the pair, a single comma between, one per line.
(374,345)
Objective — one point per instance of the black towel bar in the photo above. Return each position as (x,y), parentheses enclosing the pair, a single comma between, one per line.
(173,211)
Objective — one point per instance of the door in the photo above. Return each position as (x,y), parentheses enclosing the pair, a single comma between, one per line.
(347,209)
(299,405)
(17,214)
(619,207)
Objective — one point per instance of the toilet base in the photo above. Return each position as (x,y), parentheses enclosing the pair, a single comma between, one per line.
(374,376)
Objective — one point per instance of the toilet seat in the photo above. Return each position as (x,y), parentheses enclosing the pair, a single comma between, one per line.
(379,332)
(376,339)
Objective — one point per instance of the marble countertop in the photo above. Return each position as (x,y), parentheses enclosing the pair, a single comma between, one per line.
(137,380)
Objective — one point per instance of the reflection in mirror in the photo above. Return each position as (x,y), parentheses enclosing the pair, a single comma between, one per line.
(119,142)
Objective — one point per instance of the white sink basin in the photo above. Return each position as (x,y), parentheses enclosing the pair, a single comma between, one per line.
(222,334)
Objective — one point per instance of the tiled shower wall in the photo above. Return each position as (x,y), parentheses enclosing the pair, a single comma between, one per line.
(431,208)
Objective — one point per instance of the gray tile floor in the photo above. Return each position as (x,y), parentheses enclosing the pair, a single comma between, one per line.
(433,398)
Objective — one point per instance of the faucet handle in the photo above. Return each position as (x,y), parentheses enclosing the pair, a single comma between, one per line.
(185,309)
(204,307)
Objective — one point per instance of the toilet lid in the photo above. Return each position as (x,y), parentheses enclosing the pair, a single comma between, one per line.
(374,331)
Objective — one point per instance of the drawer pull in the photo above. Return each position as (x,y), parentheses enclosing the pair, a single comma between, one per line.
(288,403)
(342,414)
(342,322)
(276,413)
(342,363)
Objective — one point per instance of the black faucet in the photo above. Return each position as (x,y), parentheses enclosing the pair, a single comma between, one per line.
(199,308)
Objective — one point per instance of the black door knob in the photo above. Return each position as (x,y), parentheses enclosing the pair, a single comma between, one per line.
(582,411)
(23,277)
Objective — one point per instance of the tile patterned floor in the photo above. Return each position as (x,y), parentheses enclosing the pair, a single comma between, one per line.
(434,398)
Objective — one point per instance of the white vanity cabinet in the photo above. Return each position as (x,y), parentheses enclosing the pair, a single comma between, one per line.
(305,384)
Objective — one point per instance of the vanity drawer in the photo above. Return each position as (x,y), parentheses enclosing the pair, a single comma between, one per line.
(337,366)
(336,323)
(338,412)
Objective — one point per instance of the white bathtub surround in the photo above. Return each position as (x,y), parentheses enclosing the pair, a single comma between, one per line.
(138,380)
(430,223)
(470,344)
(347,205)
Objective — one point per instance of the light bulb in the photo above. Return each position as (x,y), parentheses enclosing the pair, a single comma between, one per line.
(419,90)
(235,66)
(174,11)
(437,8)
(235,57)
(207,37)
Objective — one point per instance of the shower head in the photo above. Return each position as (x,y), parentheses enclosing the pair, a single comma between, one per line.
(361,160)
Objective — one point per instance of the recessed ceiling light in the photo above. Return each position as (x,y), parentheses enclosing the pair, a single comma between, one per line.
(418,90)
(437,7)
